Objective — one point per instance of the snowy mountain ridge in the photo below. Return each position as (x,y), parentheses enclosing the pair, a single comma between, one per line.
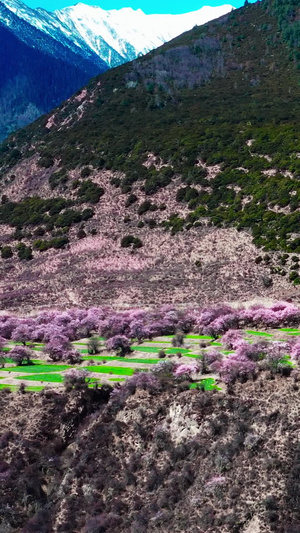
(115,35)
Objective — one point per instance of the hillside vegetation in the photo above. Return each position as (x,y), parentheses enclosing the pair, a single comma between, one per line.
(201,460)
(158,451)
(202,133)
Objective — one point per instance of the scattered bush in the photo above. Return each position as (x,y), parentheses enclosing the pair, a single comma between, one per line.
(132,198)
(75,379)
(144,207)
(6,252)
(93,346)
(46,161)
(89,192)
(85,172)
(178,340)
(24,252)
(132,242)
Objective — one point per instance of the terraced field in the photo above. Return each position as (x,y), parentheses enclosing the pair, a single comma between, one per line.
(107,368)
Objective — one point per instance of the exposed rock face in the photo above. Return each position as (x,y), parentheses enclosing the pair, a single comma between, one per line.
(163,461)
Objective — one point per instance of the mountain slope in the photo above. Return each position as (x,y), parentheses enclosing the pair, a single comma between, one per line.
(88,39)
(124,34)
(153,461)
(115,35)
(23,21)
(180,173)
(38,71)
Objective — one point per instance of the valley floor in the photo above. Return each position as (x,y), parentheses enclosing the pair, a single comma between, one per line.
(106,368)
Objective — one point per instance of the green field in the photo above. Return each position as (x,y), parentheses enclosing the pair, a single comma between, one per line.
(156,349)
(36,368)
(105,369)
(125,359)
(208,384)
(48,372)
(51,378)
(30,388)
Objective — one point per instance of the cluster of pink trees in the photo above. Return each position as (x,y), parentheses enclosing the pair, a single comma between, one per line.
(56,329)
(219,319)
(143,324)
(248,359)
(119,344)
(20,355)
(186,370)
(75,378)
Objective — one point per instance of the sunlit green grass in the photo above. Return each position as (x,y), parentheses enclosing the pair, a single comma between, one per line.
(289,329)
(199,337)
(105,369)
(51,378)
(34,388)
(28,388)
(207,383)
(36,368)
(156,349)
(148,349)
(123,359)
(11,387)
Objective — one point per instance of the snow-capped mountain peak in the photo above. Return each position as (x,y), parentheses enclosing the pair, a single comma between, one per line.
(116,35)
(128,31)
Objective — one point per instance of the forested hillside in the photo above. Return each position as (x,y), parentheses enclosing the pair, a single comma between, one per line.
(198,138)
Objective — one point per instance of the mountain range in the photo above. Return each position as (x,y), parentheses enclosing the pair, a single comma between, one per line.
(173,178)
(48,56)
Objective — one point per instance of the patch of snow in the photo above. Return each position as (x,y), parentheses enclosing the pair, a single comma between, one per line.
(116,35)
(126,27)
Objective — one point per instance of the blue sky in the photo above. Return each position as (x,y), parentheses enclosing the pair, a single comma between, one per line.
(153,6)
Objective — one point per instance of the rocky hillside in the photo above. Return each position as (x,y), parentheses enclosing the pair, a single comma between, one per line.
(47,56)
(170,179)
(151,460)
